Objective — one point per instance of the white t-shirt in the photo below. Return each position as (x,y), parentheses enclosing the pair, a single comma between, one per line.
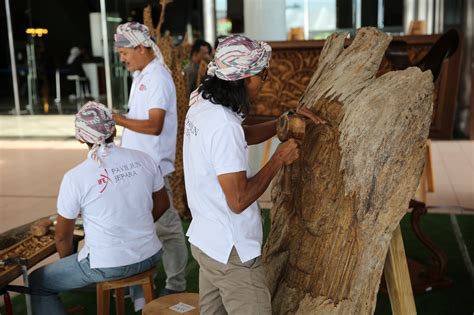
(115,202)
(153,87)
(214,144)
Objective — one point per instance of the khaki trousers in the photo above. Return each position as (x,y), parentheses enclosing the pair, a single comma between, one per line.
(232,288)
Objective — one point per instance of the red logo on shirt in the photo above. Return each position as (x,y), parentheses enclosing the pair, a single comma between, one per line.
(142,87)
(104,180)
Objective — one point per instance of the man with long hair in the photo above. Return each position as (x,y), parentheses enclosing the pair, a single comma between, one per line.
(226,229)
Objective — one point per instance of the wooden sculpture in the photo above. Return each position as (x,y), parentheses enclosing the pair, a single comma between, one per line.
(353,183)
(174,57)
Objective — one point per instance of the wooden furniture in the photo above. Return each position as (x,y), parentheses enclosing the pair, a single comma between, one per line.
(19,243)
(19,251)
(433,275)
(162,305)
(145,279)
(26,250)
(294,62)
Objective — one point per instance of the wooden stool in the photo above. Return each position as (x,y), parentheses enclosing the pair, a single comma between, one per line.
(103,291)
(162,305)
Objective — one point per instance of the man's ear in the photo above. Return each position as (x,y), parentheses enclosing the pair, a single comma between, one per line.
(141,49)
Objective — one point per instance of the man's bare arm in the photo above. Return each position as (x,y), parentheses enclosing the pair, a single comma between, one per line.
(259,133)
(161,203)
(151,126)
(64,233)
(240,192)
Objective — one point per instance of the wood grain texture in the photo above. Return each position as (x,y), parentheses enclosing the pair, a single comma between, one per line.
(329,239)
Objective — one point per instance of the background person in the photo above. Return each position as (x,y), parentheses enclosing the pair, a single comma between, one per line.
(74,64)
(200,51)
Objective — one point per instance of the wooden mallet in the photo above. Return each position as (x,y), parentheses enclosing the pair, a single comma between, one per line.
(290,125)
(293,125)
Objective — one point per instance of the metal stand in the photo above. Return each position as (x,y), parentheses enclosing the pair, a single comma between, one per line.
(57,100)
(32,77)
(23,263)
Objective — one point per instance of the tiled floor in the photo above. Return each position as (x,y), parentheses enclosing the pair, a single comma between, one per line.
(49,127)
(453,168)
(31,174)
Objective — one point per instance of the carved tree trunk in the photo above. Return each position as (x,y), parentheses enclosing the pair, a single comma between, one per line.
(352,185)
(174,57)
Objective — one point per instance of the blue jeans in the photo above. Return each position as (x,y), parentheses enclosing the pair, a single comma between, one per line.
(69,274)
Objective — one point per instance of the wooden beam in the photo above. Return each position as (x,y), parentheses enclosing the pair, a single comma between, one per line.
(397,277)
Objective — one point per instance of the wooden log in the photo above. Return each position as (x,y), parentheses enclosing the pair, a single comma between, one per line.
(329,239)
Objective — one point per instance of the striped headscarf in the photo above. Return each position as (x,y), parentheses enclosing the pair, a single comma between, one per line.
(94,124)
(238,57)
(133,34)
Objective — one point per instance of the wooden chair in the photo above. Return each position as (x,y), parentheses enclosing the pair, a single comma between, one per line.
(145,279)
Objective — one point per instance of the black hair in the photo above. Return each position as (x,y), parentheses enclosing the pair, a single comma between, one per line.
(218,38)
(198,44)
(231,94)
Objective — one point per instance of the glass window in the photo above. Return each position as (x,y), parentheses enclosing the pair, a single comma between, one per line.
(322,18)
(317,19)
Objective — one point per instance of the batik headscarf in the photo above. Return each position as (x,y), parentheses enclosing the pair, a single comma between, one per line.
(238,57)
(133,34)
(94,124)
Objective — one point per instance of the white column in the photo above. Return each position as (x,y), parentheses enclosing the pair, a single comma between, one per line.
(422,10)
(306,19)
(409,13)
(105,39)
(439,17)
(380,13)
(12,58)
(430,9)
(209,15)
(357,5)
(265,19)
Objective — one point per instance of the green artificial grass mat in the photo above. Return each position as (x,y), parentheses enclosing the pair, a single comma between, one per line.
(456,300)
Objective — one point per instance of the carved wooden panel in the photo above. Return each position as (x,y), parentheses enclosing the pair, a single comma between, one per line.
(293,64)
(288,77)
